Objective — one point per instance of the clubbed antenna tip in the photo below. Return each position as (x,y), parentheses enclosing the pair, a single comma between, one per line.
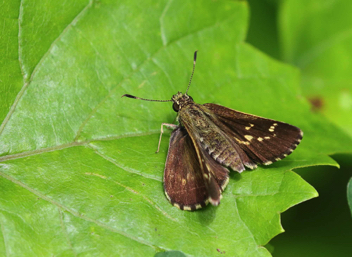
(129,96)
(144,99)
(194,66)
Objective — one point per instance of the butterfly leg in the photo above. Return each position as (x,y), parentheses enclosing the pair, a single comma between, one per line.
(168,125)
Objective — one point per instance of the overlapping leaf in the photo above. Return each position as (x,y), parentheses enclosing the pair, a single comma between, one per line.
(318,39)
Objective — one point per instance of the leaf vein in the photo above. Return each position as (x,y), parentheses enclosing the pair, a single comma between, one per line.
(245,225)
(131,189)
(314,52)
(65,232)
(120,166)
(76,214)
(5,241)
(72,144)
(26,83)
(162,29)
(95,109)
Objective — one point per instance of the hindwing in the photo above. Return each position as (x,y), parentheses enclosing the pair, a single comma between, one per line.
(191,177)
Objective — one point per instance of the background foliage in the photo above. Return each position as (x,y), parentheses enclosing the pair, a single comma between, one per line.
(78,173)
(316,37)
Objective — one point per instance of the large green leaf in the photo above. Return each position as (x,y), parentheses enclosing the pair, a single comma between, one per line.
(316,36)
(78,170)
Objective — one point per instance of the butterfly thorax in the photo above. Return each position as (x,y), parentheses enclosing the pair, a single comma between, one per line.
(181,100)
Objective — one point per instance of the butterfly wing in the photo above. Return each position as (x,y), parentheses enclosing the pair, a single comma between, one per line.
(191,177)
(212,138)
(264,140)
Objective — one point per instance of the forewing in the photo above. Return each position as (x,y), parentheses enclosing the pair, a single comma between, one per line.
(224,149)
(190,177)
(264,140)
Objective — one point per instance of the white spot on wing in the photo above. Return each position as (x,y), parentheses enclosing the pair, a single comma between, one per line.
(248,137)
(272,128)
(177,205)
(187,208)
(225,183)
(214,202)
(167,196)
(241,142)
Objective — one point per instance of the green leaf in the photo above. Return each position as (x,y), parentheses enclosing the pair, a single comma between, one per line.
(318,39)
(79,173)
(170,254)
(349,194)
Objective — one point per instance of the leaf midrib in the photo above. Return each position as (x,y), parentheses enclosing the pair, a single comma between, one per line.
(38,65)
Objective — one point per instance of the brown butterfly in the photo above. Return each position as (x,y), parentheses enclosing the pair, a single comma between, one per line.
(211,138)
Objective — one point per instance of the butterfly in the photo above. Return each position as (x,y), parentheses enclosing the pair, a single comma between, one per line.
(211,139)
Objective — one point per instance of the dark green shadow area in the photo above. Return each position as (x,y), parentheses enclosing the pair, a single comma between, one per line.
(262,31)
(349,194)
(321,226)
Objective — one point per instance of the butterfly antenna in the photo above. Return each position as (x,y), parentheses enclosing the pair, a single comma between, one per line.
(151,100)
(194,66)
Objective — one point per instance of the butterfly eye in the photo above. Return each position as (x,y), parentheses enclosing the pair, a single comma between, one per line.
(190,97)
(175,107)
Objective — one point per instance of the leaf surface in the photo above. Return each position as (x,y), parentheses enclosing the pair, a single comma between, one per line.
(79,173)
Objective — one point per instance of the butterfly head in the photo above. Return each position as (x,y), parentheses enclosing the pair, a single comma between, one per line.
(180,100)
